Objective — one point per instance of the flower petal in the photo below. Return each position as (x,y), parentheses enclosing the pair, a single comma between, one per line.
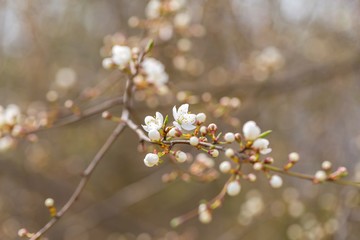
(159,118)
(183,109)
(188,127)
(265,151)
(177,125)
(175,114)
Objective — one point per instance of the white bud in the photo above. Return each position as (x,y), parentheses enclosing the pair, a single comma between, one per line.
(276,181)
(233,188)
(151,159)
(326,165)
(49,202)
(252,177)
(201,117)
(225,167)
(258,166)
(194,141)
(154,135)
(203,130)
(229,137)
(22,232)
(180,156)
(107,63)
(251,130)
(205,217)
(229,152)
(294,157)
(320,176)
(214,153)
(172,132)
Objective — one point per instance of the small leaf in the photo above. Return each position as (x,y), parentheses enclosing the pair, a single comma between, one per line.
(265,134)
(149,45)
(166,121)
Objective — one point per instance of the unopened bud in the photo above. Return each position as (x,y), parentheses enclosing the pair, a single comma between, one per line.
(106,115)
(320,176)
(258,166)
(276,181)
(229,152)
(294,157)
(212,127)
(194,141)
(269,160)
(214,153)
(326,165)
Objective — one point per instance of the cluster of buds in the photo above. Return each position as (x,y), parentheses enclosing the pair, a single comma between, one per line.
(10,126)
(326,173)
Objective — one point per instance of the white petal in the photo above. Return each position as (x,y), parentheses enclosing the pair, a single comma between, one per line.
(183,109)
(159,118)
(265,151)
(177,125)
(188,127)
(251,130)
(149,120)
(175,114)
(146,128)
(260,143)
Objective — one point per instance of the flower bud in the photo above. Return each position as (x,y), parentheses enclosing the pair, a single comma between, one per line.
(204,214)
(225,167)
(107,63)
(194,141)
(49,202)
(251,130)
(23,232)
(151,159)
(294,157)
(269,160)
(238,137)
(214,153)
(229,137)
(258,166)
(320,176)
(172,132)
(201,117)
(229,152)
(203,130)
(180,156)
(212,127)
(233,188)
(154,135)
(106,115)
(276,181)
(326,165)
(251,177)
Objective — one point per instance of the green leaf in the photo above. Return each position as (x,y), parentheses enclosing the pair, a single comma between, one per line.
(149,45)
(166,121)
(265,134)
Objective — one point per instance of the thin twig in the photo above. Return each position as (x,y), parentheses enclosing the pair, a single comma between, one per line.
(91,111)
(84,179)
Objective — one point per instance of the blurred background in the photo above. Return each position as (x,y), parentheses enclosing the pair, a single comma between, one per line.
(294,66)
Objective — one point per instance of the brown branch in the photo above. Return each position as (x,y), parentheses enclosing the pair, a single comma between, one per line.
(84,179)
(91,111)
(309,177)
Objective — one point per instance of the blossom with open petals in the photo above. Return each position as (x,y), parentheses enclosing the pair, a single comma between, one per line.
(121,55)
(184,119)
(155,72)
(153,122)
(262,145)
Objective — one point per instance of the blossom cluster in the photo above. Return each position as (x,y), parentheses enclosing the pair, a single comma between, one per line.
(10,127)
(150,73)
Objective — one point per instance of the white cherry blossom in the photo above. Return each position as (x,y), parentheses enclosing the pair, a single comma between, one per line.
(153,122)
(262,145)
(251,130)
(121,55)
(151,159)
(183,119)
(155,72)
